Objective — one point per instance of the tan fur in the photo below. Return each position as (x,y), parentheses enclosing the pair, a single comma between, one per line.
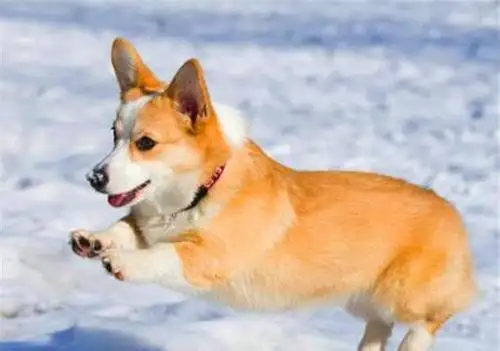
(285,238)
(296,237)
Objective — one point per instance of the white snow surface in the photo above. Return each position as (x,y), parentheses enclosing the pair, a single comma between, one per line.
(407,88)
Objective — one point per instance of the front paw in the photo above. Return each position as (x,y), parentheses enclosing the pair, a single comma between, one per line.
(129,265)
(85,245)
(114,263)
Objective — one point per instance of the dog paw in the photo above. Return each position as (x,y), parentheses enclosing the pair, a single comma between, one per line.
(129,265)
(85,245)
(114,263)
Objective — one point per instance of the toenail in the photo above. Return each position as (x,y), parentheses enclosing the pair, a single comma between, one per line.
(74,246)
(107,265)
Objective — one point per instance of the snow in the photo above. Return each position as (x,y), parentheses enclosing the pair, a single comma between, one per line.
(405,88)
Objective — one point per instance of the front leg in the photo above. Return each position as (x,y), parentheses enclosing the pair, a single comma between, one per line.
(162,264)
(120,235)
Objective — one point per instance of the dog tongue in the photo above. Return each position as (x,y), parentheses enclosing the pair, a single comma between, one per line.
(119,200)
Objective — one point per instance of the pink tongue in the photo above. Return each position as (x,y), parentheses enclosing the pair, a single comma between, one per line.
(120,199)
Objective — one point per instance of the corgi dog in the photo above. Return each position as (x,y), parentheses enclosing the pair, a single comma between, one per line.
(212,214)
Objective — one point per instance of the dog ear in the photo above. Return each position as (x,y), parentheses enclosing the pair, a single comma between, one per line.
(189,92)
(130,70)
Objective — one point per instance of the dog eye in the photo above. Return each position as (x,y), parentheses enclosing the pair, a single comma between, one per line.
(145,143)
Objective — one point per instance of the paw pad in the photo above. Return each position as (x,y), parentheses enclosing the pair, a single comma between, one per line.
(85,246)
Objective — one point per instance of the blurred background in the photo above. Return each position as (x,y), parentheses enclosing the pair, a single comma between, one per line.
(406,88)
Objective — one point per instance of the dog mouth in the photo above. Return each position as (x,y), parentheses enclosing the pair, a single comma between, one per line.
(123,199)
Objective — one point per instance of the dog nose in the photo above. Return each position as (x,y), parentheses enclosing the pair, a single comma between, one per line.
(98,178)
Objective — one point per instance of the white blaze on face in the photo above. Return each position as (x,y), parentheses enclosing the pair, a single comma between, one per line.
(124,174)
(127,113)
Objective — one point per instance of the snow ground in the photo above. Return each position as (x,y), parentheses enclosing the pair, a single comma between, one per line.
(405,88)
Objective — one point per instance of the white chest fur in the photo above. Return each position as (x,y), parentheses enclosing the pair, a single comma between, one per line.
(159,227)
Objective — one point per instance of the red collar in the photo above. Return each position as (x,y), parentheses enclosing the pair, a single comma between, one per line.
(203,189)
(215,177)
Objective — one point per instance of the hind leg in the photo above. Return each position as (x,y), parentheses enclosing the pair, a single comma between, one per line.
(376,335)
(420,338)
(423,288)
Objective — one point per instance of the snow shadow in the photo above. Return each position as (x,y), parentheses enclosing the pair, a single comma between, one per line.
(82,339)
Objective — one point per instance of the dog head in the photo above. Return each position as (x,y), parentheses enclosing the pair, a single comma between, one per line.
(168,138)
